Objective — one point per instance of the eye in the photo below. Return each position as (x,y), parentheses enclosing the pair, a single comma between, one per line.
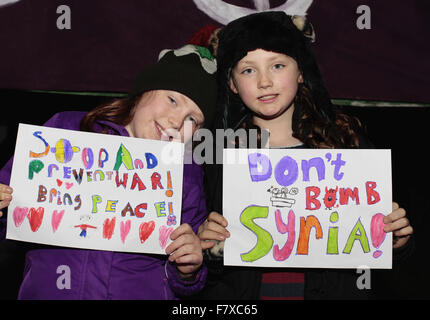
(247,71)
(172,100)
(278,66)
(191,118)
(194,120)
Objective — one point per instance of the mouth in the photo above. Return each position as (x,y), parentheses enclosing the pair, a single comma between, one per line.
(161,132)
(268,98)
(166,134)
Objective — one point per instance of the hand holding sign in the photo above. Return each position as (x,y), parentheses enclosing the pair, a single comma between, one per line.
(5,196)
(185,250)
(397,223)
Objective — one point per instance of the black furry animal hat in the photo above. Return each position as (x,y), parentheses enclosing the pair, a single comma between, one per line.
(272,31)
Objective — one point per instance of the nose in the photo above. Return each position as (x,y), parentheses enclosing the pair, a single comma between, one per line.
(264,80)
(176,121)
(176,118)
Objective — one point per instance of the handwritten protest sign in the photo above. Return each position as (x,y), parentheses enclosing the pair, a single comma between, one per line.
(94,191)
(307,207)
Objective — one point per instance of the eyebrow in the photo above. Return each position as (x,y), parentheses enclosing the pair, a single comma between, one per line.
(178,95)
(272,58)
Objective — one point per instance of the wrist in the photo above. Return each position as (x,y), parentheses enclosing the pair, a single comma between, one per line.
(189,276)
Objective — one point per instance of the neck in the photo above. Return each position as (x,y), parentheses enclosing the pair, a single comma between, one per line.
(280,129)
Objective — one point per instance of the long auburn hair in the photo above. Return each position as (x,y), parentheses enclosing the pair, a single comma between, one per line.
(119,111)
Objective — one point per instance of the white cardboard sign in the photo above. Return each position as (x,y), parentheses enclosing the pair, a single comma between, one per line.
(320,208)
(94,191)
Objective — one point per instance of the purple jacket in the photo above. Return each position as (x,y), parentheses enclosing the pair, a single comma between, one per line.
(105,274)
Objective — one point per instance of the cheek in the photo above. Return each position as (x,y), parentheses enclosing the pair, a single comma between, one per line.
(290,85)
(245,91)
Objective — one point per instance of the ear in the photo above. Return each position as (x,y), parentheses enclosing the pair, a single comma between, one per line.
(233,86)
(300,79)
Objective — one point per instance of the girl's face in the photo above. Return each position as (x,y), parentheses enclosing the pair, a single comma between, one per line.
(266,82)
(165,115)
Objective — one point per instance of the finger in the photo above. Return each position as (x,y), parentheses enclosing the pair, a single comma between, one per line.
(395,206)
(5,196)
(217,228)
(212,235)
(400,241)
(218,218)
(5,189)
(4,203)
(186,250)
(207,244)
(395,215)
(181,241)
(407,231)
(396,225)
(184,228)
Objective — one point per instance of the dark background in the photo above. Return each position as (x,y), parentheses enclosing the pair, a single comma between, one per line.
(111,40)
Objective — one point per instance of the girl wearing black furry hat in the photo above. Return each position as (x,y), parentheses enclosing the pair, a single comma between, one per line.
(268,79)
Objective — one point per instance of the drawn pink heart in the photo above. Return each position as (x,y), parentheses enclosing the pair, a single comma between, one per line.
(124,229)
(56,219)
(164,234)
(69,185)
(19,215)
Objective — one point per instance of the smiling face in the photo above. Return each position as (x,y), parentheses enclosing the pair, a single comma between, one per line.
(266,82)
(164,115)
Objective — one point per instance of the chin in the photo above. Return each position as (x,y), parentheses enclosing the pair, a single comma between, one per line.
(269,116)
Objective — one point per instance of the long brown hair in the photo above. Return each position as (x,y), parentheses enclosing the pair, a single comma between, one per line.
(315,131)
(119,111)
(312,128)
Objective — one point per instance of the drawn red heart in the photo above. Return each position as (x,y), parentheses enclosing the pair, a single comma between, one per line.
(108,227)
(35,217)
(19,215)
(145,230)
(59,182)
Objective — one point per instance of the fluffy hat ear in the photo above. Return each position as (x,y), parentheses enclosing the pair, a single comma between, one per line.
(304,26)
